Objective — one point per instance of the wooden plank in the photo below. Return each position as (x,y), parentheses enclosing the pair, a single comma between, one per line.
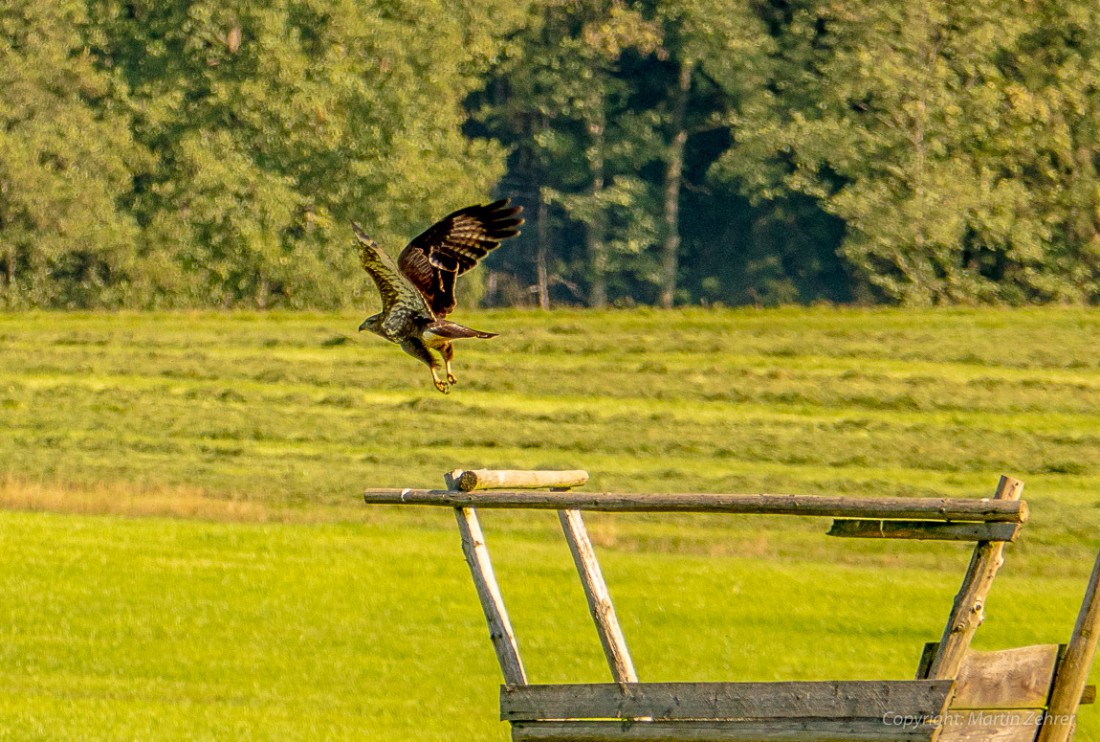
(782,730)
(1015,725)
(968,610)
(828,699)
(488,592)
(1073,672)
(487,479)
(599,599)
(1017,678)
(915,508)
(924,530)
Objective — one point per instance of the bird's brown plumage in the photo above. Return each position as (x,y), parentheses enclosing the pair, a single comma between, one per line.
(453,245)
(418,293)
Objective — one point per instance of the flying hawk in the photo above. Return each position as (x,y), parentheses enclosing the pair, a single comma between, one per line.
(418,292)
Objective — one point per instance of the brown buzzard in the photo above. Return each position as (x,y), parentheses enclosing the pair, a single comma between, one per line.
(418,292)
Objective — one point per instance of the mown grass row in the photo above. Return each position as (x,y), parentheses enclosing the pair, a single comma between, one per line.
(291,409)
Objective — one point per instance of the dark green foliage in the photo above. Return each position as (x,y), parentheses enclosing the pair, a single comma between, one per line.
(203,153)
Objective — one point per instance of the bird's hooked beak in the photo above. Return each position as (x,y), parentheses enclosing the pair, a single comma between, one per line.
(365,325)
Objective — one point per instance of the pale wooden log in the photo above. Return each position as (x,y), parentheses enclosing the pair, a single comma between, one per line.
(924,530)
(783,730)
(916,508)
(828,699)
(488,592)
(494,479)
(968,610)
(1073,673)
(599,599)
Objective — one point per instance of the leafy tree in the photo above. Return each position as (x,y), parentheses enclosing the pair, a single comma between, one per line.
(277,122)
(910,123)
(67,161)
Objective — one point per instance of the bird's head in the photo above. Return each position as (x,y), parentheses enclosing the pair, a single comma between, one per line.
(373,323)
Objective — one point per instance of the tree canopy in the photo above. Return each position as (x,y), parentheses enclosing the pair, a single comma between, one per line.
(200,153)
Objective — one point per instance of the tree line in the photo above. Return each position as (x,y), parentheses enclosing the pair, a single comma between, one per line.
(202,153)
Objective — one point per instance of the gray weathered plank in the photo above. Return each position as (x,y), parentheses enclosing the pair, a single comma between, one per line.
(486,479)
(916,508)
(924,530)
(599,599)
(781,730)
(968,610)
(488,592)
(832,699)
(1073,672)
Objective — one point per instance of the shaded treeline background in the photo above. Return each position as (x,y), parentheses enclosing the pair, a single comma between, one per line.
(160,154)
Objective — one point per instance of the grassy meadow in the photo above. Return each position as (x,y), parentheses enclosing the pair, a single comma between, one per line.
(184,554)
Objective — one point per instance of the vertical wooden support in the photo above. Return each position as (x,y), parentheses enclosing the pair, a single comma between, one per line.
(488,592)
(1073,672)
(599,599)
(968,610)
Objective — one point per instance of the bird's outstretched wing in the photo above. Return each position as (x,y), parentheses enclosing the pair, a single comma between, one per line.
(392,286)
(454,245)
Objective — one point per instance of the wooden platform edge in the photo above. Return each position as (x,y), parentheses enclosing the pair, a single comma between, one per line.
(826,699)
(804,730)
(924,530)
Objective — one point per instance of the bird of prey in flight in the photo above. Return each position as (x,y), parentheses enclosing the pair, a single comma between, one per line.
(418,292)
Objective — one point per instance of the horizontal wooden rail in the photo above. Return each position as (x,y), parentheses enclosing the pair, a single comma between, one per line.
(828,699)
(908,508)
(922,530)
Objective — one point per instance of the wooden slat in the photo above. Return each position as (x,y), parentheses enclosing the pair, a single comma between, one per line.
(599,599)
(914,508)
(924,530)
(1073,673)
(929,653)
(829,699)
(968,610)
(1018,725)
(1017,678)
(488,592)
(783,730)
(486,479)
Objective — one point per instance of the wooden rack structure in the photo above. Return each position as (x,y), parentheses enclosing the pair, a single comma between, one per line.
(1025,694)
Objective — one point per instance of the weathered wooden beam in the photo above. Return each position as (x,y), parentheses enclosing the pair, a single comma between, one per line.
(915,508)
(968,609)
(1073,672)
(923,530)
(599,599)
(488,592)
(469,480)
(783,730)
(828,699)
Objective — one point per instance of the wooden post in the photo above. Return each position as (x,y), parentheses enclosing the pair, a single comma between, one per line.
(968,610)
(1073,673)
(488,592)
(599,599)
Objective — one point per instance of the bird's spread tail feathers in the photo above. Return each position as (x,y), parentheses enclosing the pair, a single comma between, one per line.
(455,331)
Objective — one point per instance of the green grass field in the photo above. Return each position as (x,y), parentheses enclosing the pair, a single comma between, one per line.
(184,554)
